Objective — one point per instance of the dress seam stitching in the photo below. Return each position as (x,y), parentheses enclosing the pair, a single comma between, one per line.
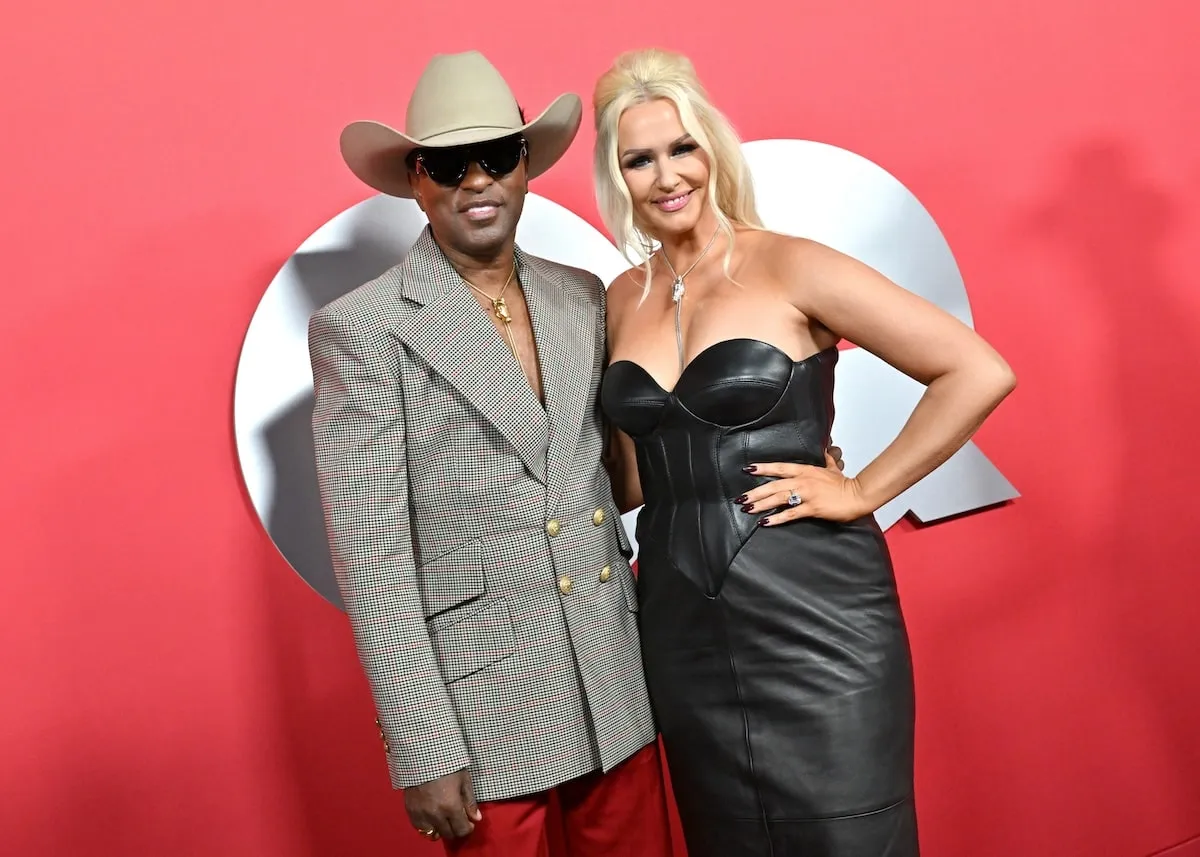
(762,817)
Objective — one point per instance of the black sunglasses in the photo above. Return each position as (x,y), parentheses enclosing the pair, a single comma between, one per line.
(448,167)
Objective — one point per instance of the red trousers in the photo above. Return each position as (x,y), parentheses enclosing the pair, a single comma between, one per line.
(619,814)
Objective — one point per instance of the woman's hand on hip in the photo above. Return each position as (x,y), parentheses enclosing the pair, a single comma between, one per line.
(803,491)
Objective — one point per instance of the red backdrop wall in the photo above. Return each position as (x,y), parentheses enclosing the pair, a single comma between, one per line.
(171,687)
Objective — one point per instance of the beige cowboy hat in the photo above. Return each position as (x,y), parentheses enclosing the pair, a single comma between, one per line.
(459,99)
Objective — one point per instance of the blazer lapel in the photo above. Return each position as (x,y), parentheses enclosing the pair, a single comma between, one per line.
(564,327)
(454,336)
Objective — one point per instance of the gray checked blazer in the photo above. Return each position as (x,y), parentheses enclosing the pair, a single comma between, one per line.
(479,553)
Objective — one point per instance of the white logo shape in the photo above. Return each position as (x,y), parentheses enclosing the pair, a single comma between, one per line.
(830,195)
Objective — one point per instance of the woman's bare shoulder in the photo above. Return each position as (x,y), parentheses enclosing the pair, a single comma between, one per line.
(626,290)
(790,251)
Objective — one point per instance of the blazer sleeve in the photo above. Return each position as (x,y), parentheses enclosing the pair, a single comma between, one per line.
(359,437)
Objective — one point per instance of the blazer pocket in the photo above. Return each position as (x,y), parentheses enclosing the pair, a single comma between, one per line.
(451,580)
(472,638)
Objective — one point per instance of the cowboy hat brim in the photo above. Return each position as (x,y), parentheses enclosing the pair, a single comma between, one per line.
(376,153)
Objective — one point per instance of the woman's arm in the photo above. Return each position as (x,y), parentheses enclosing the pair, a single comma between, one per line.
(620,460)
(964,376)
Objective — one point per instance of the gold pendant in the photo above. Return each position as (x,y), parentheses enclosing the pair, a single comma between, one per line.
(501,310)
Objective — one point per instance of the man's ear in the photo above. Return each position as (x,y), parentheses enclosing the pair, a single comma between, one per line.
(412,183)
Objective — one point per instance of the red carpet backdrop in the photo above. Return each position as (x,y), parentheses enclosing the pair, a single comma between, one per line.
(172,687)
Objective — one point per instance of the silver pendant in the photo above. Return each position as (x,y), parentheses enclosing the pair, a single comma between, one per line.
(677,290)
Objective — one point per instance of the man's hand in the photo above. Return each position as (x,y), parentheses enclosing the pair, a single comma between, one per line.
(444,808)
(835,453)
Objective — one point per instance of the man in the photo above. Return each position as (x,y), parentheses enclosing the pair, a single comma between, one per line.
(477,547)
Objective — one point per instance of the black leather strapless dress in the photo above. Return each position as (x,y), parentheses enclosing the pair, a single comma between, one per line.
(777,657)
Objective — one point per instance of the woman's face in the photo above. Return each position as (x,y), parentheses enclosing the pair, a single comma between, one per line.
(665,170)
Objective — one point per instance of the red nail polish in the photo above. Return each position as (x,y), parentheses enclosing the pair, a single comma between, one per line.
(764,522)
(741,500)
(750,468)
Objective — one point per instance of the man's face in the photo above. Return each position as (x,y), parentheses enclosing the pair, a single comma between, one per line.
(472,195)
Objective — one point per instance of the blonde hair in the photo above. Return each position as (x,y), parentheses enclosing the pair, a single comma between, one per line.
(637,77)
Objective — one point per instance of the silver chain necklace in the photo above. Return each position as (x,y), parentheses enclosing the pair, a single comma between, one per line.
(678,288)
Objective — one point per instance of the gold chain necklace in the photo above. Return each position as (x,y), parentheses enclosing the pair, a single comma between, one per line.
(500,309)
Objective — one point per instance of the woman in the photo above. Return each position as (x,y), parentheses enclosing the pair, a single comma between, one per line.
(773,640)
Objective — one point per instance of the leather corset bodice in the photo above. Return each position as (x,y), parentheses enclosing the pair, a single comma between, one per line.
(738,402)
